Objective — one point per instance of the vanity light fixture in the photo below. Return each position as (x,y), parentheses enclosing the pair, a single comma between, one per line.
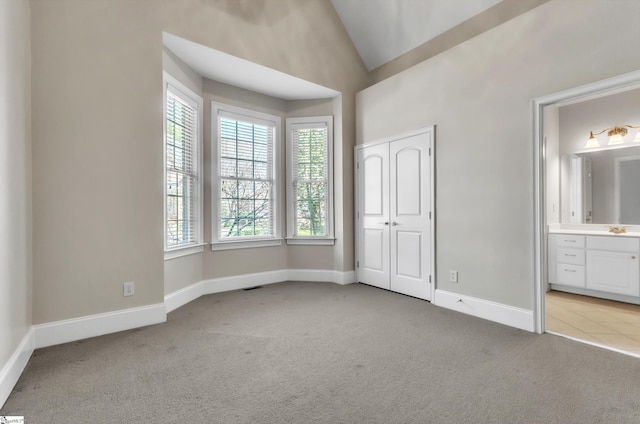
(615,136)
(592,142)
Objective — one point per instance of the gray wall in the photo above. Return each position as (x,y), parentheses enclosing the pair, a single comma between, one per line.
(577,120)
(479,96)
(15,176)
(97,137)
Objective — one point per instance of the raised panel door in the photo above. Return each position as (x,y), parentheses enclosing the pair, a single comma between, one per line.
(409,185)
(373,232)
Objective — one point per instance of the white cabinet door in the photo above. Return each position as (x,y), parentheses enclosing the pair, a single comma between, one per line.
(394,204)
(410,206)
(613,272)
(373,209)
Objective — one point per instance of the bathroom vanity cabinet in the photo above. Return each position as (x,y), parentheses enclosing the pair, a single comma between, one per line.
(593,265)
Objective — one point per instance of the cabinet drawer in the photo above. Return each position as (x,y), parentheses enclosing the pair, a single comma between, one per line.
(570,275)
(565,255)
(617,244)
(567,240)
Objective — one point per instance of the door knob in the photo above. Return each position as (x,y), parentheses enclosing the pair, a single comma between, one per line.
(394,223)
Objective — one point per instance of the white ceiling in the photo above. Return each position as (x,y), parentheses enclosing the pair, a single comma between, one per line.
(232,70)
(382,30)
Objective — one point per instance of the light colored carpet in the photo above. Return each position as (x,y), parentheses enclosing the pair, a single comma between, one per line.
(322,353)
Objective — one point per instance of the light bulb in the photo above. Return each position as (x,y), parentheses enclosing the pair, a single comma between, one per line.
(592,143)
(615,139)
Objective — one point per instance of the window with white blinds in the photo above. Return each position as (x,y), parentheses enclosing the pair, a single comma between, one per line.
(182,167)
(309,179)
(246,184)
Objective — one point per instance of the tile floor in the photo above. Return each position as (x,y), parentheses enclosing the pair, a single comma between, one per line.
(600,321)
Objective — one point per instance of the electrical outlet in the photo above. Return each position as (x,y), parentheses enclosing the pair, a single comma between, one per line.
(453,276)
(128,289)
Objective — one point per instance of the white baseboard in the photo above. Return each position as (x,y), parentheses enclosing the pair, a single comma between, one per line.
(181,297)
(53,333)
(236,282)
(11,371)
(492,311)
(321,275)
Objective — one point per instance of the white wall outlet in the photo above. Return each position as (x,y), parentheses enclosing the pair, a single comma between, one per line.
(453,276)
(128,289)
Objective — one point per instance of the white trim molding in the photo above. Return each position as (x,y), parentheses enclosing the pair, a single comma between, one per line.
(183,251)
(485,309)
(10,373)
(57,332)
(181,297)
(236,282)
(331,276)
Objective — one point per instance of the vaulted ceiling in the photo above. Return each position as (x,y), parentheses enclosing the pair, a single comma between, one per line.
(382,30)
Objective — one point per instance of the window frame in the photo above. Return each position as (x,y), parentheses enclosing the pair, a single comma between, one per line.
(301,123)
(260,118)
(178,89)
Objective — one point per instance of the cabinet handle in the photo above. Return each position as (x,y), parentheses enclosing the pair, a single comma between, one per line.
(569,270)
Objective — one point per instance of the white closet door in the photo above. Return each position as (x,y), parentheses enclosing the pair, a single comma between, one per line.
(410,187)
(373,199)
(394,207)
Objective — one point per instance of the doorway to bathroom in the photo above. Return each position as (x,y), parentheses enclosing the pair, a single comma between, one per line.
(587,279)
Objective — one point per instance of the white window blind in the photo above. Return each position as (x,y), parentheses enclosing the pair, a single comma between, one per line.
(246,191)
(182,170)
(310,183)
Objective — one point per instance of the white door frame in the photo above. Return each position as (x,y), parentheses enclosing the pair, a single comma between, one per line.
(585,92)
(432,242)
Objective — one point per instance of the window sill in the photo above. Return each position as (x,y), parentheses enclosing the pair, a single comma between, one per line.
(179,252)
(246,244)
(312,241)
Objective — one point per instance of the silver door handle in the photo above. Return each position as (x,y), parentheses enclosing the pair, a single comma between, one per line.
(394,223)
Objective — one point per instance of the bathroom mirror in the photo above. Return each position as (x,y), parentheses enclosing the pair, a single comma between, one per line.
(601,187)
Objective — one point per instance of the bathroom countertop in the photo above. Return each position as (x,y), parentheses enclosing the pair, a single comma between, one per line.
(592,232)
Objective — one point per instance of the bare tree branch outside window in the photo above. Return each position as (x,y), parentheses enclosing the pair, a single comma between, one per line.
(246,184)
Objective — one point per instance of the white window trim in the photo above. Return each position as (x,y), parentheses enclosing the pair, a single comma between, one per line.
(192,248)
(257,117)
(328,239)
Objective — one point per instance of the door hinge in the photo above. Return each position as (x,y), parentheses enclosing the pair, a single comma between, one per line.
(357,165)
(429,151)
(429,279)
(429,214)
(358,265)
